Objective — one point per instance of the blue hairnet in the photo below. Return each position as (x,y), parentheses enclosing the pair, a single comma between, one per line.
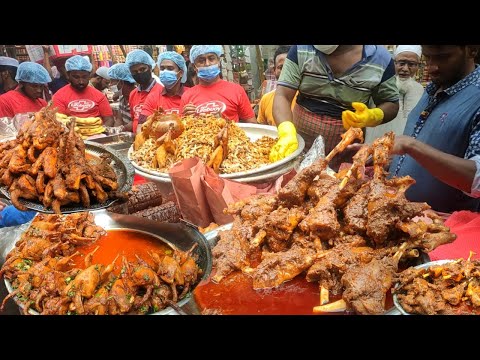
(197,50)
(31,72)
(139,57)
(177,59)
(79,63)
(121,72)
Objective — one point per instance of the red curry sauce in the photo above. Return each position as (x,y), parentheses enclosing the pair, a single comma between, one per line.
(123,242)
(235,295)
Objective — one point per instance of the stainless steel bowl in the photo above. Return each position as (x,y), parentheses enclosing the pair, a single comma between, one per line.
(176,235)
(421,266)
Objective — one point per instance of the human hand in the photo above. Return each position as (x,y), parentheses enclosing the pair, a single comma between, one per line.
(401,144)
(362,117)
(46,48)
(189,109)
(287,141)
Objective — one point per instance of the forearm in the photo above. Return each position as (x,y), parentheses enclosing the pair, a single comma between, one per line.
(282,104)
(252,120)
(452,170)
(390,111)
(108,121)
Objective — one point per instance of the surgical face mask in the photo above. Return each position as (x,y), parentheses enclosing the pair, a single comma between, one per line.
(168,78)
(143,78)
(326,49)
(208,73)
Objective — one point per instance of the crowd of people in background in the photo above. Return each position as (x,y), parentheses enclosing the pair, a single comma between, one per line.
(320,90)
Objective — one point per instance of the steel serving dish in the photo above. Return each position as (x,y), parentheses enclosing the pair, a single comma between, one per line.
(175,235)
(254,132)
(421,266)
(121,165)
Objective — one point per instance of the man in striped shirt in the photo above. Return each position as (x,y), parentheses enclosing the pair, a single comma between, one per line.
(329,78)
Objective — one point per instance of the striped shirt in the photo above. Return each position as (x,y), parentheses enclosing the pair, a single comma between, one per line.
(372,78)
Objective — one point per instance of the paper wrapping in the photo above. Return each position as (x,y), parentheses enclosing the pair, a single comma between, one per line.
(188,188)
(202,195)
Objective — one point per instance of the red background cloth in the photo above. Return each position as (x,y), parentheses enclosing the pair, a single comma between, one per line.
(466,225)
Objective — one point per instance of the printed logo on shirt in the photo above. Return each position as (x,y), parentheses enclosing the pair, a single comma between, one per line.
(137,110)
(172,111)
(214,106)
(82,105)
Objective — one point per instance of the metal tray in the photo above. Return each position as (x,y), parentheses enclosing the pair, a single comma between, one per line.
(121,165)
(176,235)
(254,132)
(120,142)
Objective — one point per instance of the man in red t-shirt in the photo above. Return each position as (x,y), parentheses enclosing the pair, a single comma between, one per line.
(212,94)
(27,97)
(173,74)
(140,65)
(78,99)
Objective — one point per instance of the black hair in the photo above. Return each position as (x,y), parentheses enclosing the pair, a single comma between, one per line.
(191,73)
(282,49)
(12,70)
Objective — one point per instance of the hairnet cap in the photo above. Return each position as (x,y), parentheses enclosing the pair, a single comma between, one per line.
(197,50)
(121,72)
(8,61)
(78,63)
(34,73)
(177,59)
(103,72)
(139,57)
(417,49)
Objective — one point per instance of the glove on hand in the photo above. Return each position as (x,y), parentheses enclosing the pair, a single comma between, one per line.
(287,141)
(362,117)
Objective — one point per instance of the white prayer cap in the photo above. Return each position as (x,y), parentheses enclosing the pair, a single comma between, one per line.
(417,49)
(4,60)
(103,72)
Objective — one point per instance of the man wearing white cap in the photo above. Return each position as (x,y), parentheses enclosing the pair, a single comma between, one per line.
(100,80)
(8,71)
(407,60)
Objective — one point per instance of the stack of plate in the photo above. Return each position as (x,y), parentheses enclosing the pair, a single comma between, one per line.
(259,175)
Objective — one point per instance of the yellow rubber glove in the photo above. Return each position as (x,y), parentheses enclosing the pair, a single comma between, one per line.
(362,117)
(287,141)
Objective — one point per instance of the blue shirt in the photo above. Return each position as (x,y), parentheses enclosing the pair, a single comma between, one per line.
(11,216)
(450,122)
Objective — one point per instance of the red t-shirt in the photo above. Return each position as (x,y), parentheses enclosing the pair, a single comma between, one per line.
(15,102)
(137,99)
(88,103)
(158,98)
(230,98)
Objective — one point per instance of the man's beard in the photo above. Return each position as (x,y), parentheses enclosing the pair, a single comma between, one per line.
(404,85)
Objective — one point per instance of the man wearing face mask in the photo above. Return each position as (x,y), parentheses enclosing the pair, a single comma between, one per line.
(140,65)
(173,74)
(78,99)
(212,94)
(123,83)
(332,80)
(27,97)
